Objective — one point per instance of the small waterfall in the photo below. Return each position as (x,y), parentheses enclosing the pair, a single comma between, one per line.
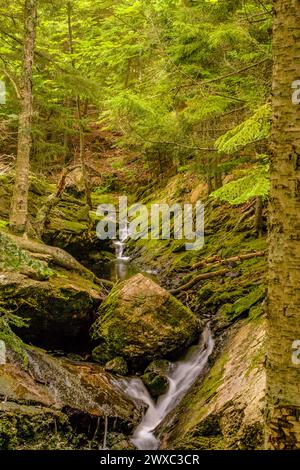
(120,244)
(121,260)
(182,376)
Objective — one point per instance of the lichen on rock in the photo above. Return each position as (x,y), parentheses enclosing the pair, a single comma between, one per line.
(51,403)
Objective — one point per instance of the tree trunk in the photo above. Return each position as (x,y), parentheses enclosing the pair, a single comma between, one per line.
(258,224)
(19,204)
(283,376)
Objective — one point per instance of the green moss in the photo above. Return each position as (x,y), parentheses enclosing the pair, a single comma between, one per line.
(191,442)
(26,427)
(8,434)
(3,224)
(175,311)
(213,380)
(156,383)
(117,365)
(244,304)
(100,354)
(155,377)
(256,312)
(139,321)
(13,258)
(11,340)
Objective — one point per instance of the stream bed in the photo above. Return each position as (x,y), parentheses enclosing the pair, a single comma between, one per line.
(182,376)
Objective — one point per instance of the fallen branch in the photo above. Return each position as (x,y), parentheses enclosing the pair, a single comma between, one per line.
(197,279)
(215,260)
(212,262)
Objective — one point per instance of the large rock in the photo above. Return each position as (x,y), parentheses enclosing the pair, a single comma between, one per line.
(141,321)
(61,310)
(50,403)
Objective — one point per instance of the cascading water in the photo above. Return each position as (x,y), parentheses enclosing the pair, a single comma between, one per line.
(121,260)
(120,244)
(181,377)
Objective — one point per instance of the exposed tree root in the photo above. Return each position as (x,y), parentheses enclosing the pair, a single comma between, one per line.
(59,257)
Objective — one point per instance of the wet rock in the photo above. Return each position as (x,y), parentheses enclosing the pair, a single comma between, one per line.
(118,365)
(55,403)
(155,377)
(117,441)
(141,321)
(60,310)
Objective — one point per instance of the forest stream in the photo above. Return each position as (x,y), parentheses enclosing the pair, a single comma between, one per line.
(182,374)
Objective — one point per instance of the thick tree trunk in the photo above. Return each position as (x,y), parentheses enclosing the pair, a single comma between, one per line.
(283,376)
(18,214)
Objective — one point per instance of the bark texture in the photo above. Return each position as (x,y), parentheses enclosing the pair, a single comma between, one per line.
(283,377)
(19,205)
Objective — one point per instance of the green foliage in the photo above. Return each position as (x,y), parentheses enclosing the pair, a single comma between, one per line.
(169,78)
(255,128)
(12,341)
(255,183)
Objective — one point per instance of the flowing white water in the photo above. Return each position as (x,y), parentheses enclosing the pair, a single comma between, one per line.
(121,265)
(181,377)
(120,244)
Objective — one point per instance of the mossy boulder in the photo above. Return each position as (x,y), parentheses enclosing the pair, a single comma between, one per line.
(61,310)
(155,377)
(118,365)
(141,321)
